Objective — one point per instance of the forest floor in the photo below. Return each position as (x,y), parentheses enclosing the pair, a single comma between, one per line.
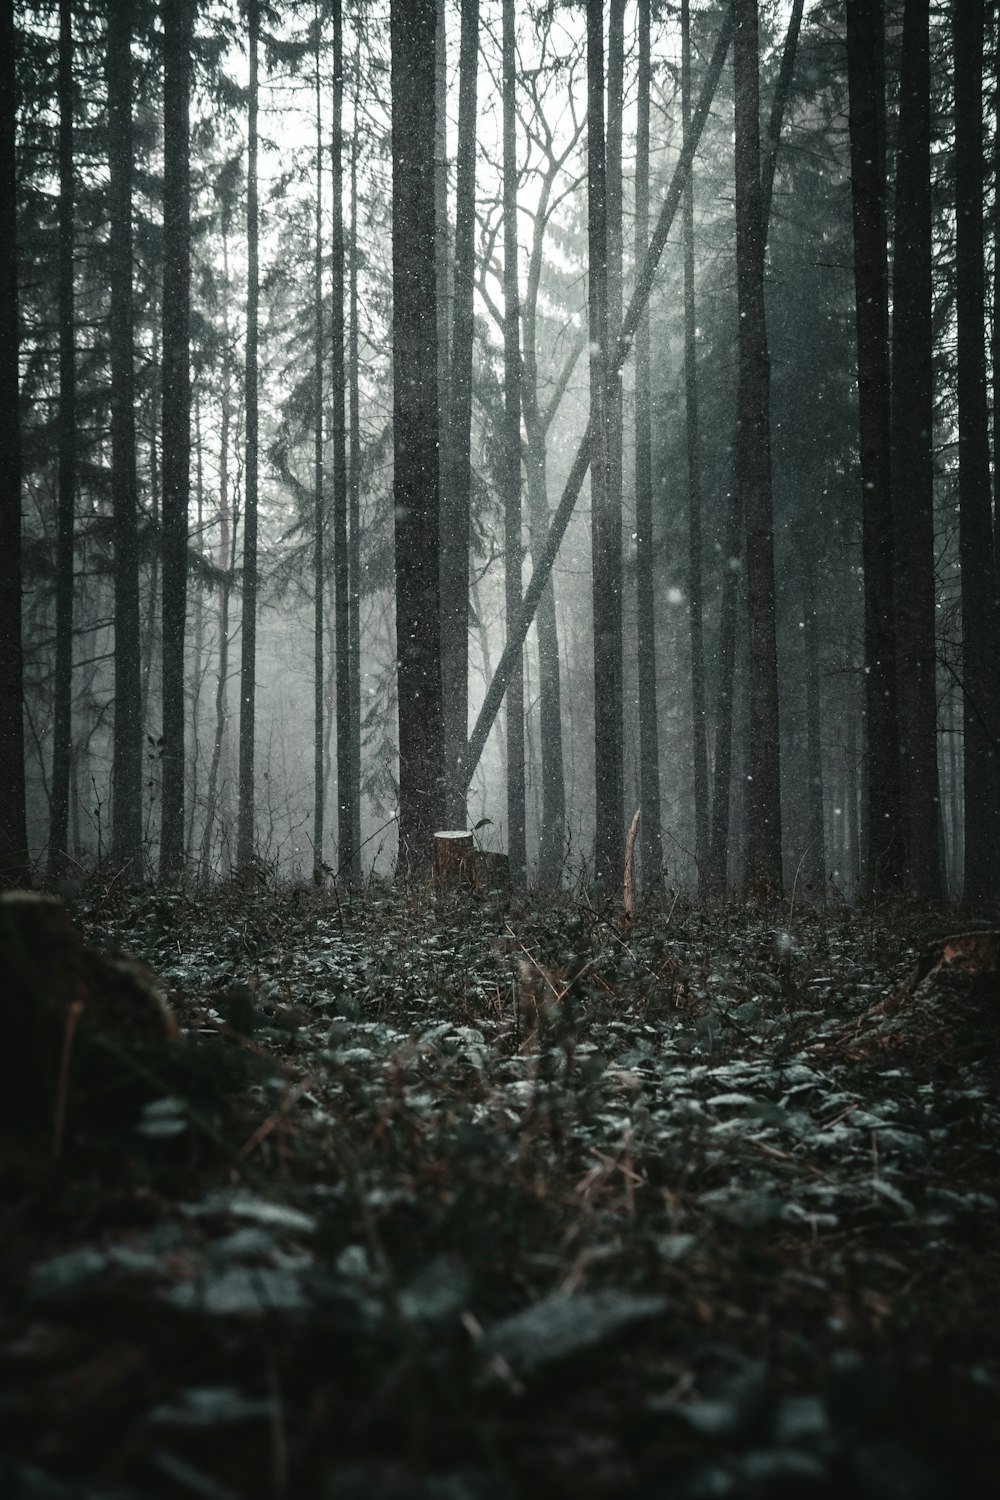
(406,1215)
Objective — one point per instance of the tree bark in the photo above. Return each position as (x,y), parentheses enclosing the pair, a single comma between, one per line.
(866,84)
(979,580)
(248,631)
(512,456)
(415,434)
(456,495)
(126,769)
(605,521)
(354,503)
(319,497)
(912,461)
(753,468)
(14,863)
(341,561)
(176,418)
(62,690)
(699,719)
(718,856)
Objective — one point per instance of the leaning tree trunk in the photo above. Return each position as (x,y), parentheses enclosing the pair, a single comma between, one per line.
(126,765)
(753,469)
(415,434)
(581,463)
(176,417)
(912,461)
(865,76)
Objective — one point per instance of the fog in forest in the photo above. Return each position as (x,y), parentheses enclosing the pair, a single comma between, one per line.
(753,628)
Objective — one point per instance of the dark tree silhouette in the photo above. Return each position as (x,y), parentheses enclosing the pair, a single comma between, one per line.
(866,90)
(176,415)
(753,466)
(415,433)
(126,770)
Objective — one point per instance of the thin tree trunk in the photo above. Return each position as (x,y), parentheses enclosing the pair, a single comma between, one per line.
(319,502)
(979,579)
(614,405)
(126,768)
(248,633)
(455,498)
(865,73)
(581,463)
(605,520)
(415,434)
(726,659)
(341,561)
(176,418)
(753,467)
(699,719)
(62,717)
(354,502)
(223,562)
(814,861)
(512,458)
(912,461)
(198,636)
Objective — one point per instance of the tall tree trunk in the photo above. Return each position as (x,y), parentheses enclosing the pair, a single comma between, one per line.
(866,89)
(650,832)
(512,457)
(614,298)
(319,499)
(455,499)
(126,768)
(224,560)
(912,461)
(581,463)
(14,864)
(753,468)
(699,720)
(176,416)
(197,633)
(341,561)
(248,634)
(441,233)
(62,726)
(731,548)
(979,579)
(354,501)
(813,864)
(415,433)
(606,539)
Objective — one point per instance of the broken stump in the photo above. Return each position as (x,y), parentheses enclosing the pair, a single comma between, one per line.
(452,856)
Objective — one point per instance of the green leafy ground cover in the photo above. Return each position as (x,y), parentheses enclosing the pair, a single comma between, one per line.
(712,1230)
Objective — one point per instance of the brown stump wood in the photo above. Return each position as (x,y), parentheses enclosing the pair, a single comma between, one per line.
(56,992)
(452,857)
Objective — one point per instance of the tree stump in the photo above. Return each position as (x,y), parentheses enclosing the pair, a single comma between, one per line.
(57,993)
(452,857)
(490,872)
